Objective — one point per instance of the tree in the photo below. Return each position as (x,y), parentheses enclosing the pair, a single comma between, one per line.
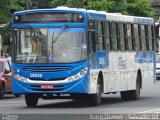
(88,4)
(140,8)
(4,13)
(130,7)
(7,7)
(119,6)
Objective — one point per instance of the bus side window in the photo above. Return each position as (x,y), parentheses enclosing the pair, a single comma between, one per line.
(121,35)
(114,36)
(136,38)
(125,36)
(143,37)
(107,36)
(92,42)
(147,38)
(100,35)
(150,38)
(129,36)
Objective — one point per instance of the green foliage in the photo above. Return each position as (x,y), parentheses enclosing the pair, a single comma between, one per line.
(119,6)
(7,7)
(101,5)
(88,4)
(68,3)
(130,7)
(140,8)
(41,4)
(4,16)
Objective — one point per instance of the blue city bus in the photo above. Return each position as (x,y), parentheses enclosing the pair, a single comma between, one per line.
(81,54)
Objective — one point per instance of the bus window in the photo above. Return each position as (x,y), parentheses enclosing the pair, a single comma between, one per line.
(100,35)
(147,38)
(91,24)
(143,37)
(114,36)
(107,37)
(133,41)
(91,38)
(136,37)
(129,37)
(150,37)
(121,34)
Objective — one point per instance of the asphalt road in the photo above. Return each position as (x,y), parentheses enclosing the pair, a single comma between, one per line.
(149,102)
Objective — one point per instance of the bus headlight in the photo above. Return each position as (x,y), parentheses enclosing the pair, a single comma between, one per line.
(78,75)
(18,77)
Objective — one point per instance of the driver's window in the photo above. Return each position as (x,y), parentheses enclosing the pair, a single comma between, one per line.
(92,43)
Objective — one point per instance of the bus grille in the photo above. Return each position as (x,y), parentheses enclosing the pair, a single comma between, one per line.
(53,79)
(45,69)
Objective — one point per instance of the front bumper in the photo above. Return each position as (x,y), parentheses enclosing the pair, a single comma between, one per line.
(78,86)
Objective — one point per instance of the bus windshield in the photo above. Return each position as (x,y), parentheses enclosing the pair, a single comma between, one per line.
(52,45)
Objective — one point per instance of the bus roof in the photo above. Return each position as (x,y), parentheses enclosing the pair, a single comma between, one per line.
(102,15)
(130,19)
(118,17)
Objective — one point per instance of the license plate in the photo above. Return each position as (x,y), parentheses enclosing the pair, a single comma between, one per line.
(46,86)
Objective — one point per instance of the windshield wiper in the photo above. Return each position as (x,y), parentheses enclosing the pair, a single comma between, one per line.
(59,34)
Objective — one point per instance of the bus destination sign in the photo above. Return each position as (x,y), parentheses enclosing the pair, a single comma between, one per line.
(49,17)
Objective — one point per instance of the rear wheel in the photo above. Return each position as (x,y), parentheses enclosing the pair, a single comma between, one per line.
(132,94)
(95,99)
(125,95)
(135,94)
(2,90)
(31,100)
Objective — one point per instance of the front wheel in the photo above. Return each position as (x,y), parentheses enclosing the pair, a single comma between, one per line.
(95,99)
(31,100)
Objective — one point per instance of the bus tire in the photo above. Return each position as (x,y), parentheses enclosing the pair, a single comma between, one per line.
(95,99)
(78,97)
(135,94)
(2,90)
(124,95)
(132,94)
(31,100)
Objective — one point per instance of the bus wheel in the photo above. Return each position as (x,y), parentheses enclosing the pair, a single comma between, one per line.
(132,94)
(31,100)
(2,89)
(135,94)
(77,97)
(124,95)
(95,99)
